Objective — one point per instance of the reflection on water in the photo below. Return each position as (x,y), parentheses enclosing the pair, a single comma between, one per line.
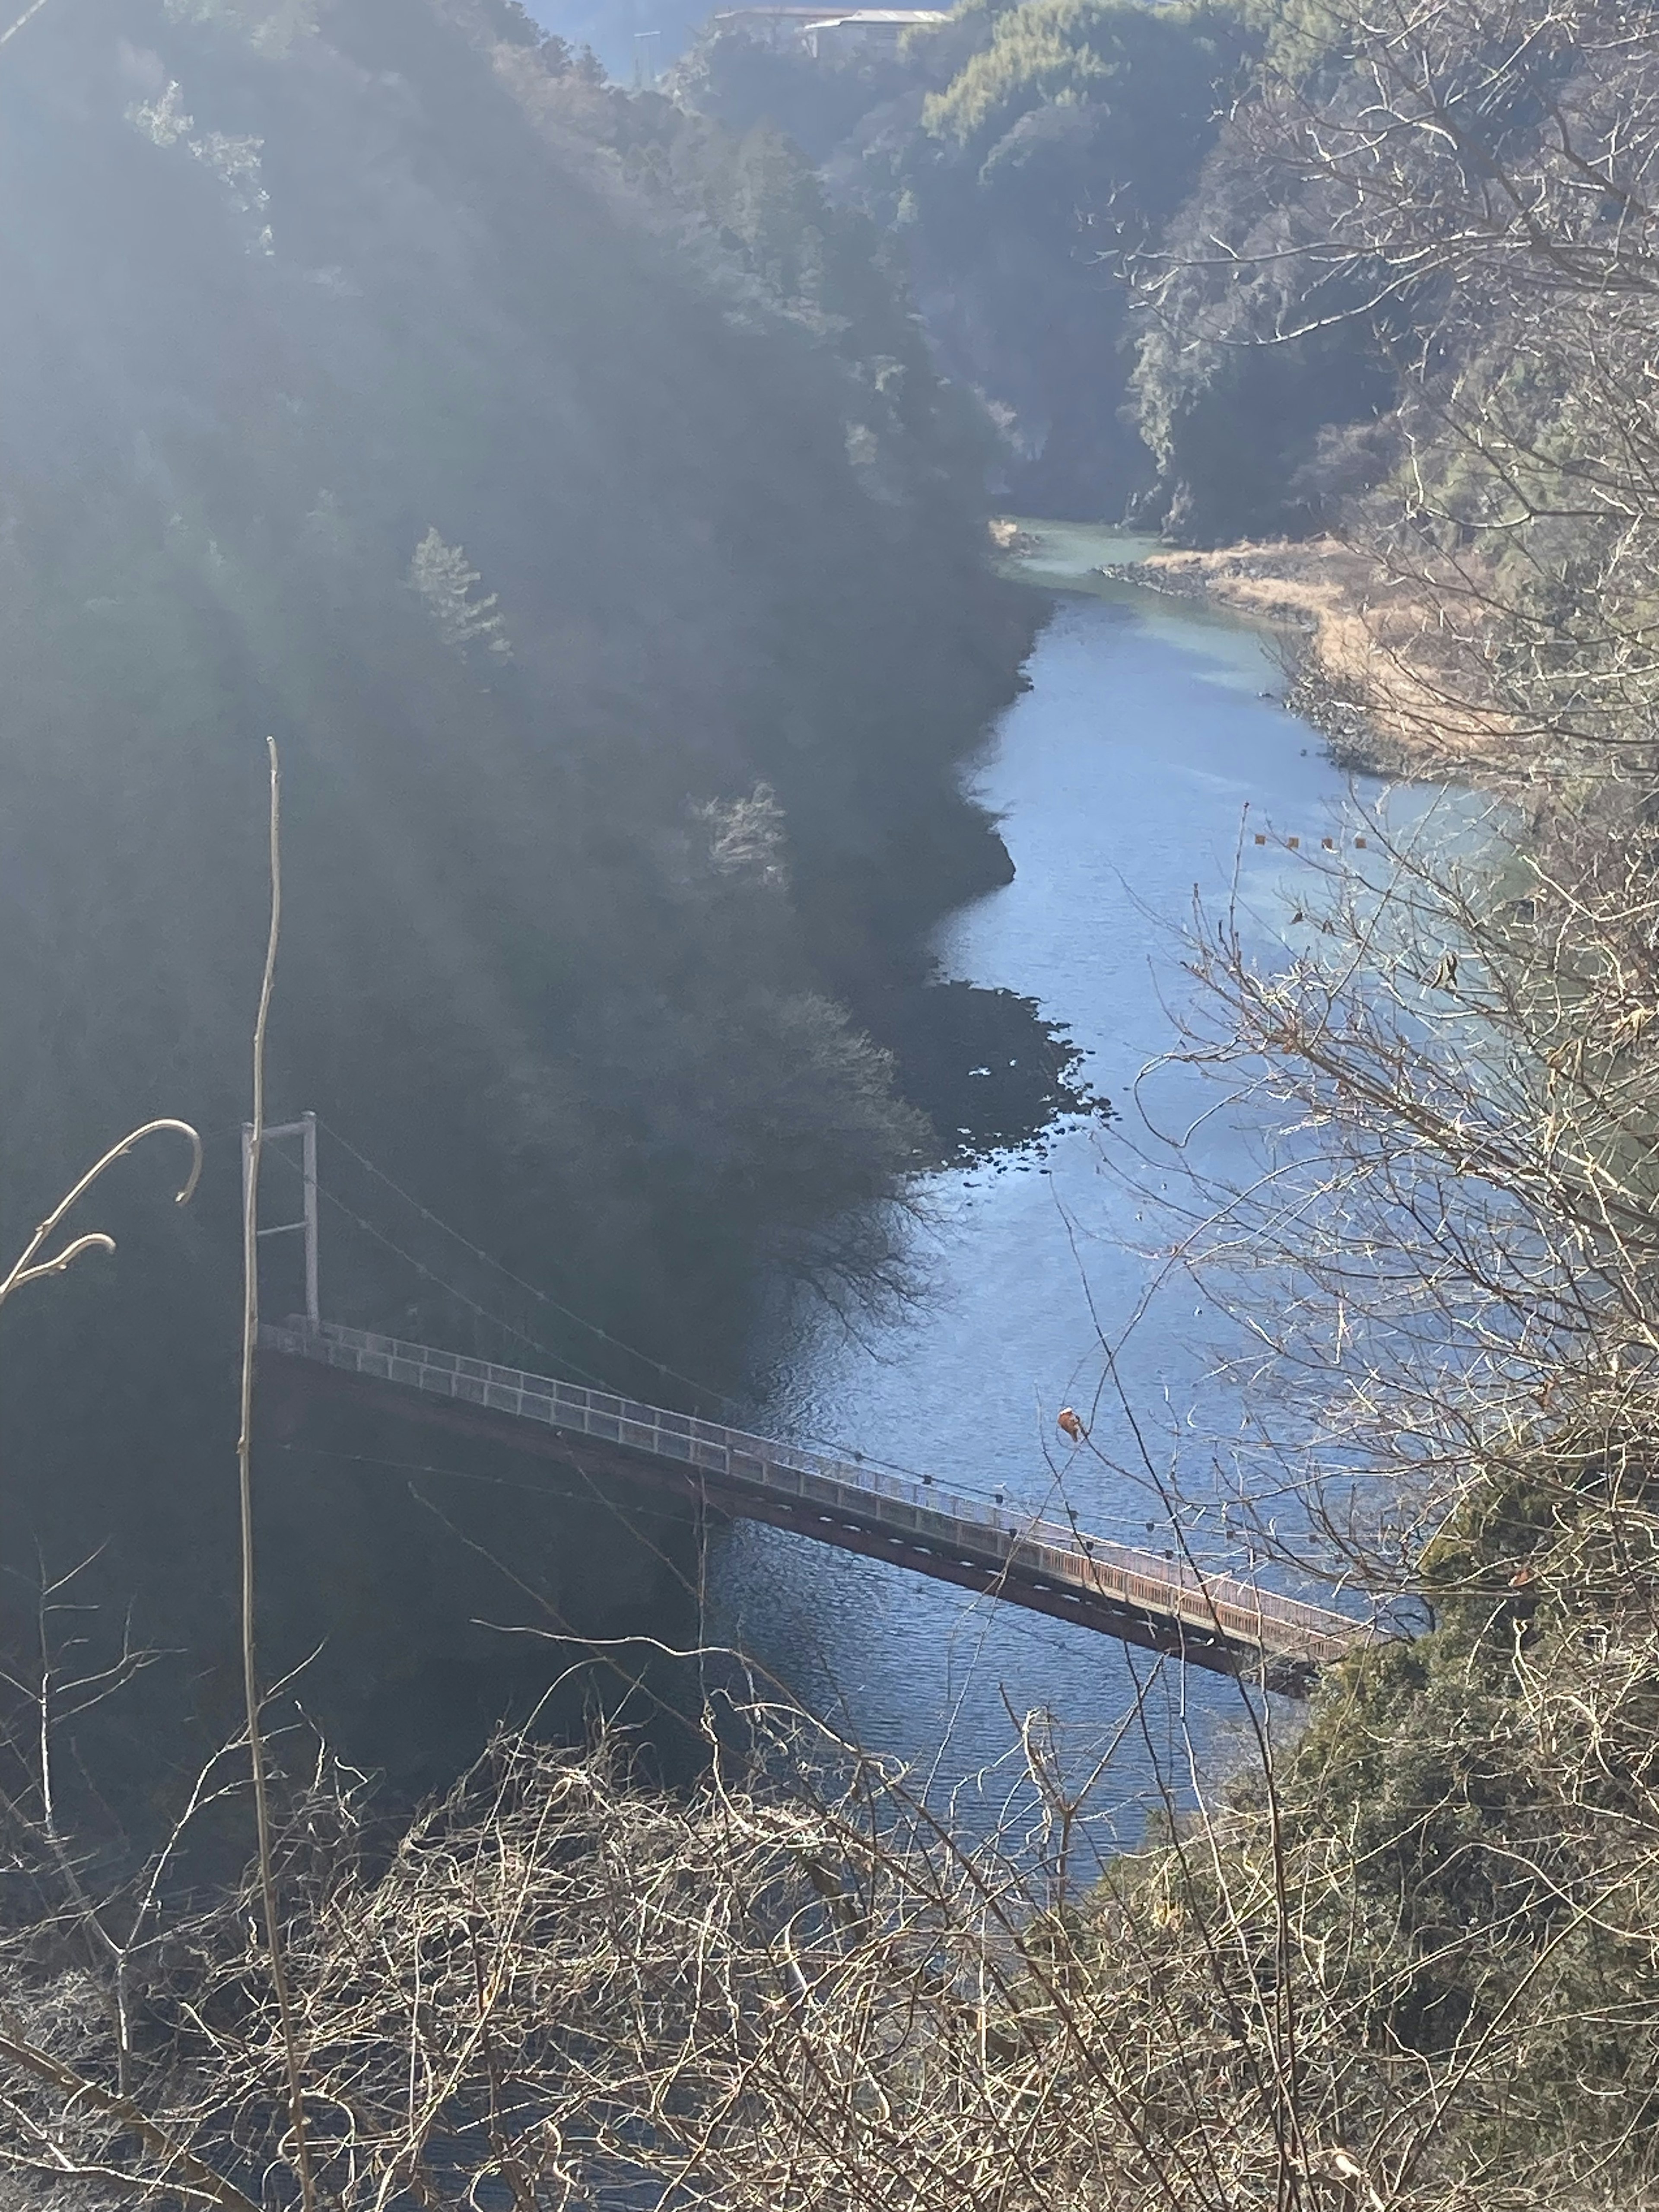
(1123,777)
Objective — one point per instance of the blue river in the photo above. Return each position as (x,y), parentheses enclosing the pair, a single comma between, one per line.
(1134,772)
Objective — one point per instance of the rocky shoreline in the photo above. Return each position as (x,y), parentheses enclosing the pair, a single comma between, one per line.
(1355,648)
(1009,539)
(1365,662)
(1327,698)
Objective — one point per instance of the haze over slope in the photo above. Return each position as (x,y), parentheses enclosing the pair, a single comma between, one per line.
(575,504)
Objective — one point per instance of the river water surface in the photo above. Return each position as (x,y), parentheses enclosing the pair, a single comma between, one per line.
(1123,777)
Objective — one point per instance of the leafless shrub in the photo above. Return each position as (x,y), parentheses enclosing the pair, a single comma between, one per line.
(1477,180)
(792,1989)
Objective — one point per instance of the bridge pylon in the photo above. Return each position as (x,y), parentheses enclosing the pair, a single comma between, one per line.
(275,1133)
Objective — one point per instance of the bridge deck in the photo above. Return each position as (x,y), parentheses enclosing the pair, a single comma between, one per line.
(1215,1621)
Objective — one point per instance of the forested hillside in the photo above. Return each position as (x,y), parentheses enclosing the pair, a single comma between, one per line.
(568,492)
(1056,172)
(1019,156)
(1398,1954)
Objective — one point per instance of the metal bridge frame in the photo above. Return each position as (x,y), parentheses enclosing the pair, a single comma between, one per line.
(1219,1621)
(1214,1620)
(305,1129)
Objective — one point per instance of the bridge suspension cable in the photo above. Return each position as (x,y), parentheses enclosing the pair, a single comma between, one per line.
(450,1289)
(532,1290)
(706,1390)
(1212,1619)
(578,1369)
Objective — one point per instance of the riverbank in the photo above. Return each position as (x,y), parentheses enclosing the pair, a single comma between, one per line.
(1361,663)
(1148,732)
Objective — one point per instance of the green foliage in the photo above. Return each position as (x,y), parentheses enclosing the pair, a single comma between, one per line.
(270,26)
(1442,1895)
(1300,38)
(1482,1802)
(1057,150)
(1019,154)
(1262,386)
(739,82)
(1160,74)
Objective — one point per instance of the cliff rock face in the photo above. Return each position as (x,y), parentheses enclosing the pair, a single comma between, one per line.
(568,490)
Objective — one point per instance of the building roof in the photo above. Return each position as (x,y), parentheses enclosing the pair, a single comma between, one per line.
(814,19)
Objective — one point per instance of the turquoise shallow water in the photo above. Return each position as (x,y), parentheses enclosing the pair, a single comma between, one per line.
(1132,773)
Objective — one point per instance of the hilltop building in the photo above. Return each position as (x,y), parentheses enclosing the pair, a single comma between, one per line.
(859,29)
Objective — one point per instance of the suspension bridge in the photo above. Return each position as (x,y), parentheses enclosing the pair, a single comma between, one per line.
(1223,1622)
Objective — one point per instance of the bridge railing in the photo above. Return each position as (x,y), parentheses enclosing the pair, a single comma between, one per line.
(1075,1563)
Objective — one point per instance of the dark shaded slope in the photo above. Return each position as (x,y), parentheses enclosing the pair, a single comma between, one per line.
(276,303)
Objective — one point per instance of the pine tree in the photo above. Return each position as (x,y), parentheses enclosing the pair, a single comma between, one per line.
(446,582)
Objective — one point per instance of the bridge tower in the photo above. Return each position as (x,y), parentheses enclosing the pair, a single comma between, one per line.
(284,1132)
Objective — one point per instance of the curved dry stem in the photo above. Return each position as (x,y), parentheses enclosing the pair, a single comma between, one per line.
(27,1269)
